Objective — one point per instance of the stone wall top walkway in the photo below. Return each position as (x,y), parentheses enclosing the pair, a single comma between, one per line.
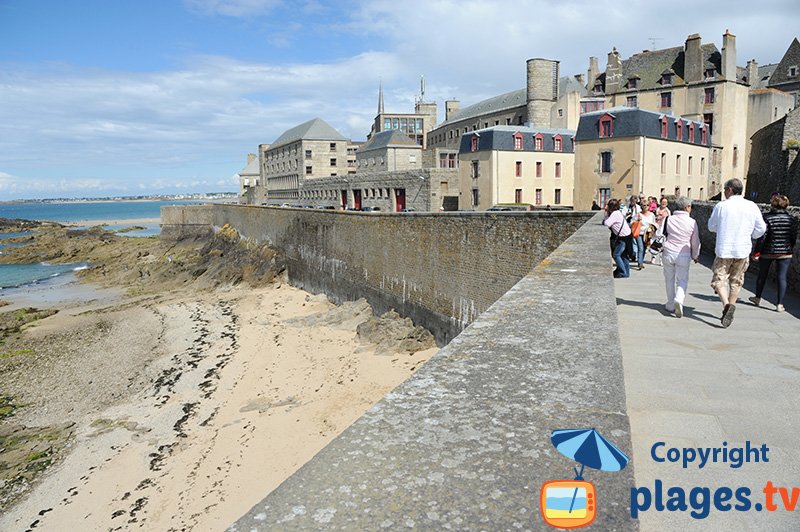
(465,443)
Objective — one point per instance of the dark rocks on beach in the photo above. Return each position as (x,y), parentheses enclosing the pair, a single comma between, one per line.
(24,453)
(394,334)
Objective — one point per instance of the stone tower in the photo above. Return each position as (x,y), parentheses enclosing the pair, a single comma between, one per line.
(542,90)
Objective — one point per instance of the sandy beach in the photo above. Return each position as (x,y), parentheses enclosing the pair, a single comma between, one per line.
(180,409)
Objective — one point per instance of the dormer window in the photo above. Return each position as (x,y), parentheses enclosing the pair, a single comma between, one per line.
(710,73)
(664,122)
(518,140)
(666,78)
(606,125)
(557,143)
(538,142)
(679,126)
(704,134)
(633,82)
(691,132)
(474,143)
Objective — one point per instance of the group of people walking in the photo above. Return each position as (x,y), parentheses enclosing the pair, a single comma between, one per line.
(673,238)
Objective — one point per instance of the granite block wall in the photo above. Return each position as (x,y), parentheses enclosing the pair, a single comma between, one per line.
(440,269)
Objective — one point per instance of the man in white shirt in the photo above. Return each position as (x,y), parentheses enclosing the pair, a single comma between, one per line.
(737,222)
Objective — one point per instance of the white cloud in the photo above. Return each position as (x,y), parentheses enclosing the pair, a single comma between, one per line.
(197,123)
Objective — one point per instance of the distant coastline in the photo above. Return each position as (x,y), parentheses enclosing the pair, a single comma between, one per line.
(206,196)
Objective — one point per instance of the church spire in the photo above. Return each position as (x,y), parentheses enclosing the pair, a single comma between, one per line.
(380,98)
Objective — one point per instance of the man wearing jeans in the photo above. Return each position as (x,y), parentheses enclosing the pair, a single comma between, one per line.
(737,222)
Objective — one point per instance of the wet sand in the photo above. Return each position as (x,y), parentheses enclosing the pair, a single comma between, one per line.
(188,407)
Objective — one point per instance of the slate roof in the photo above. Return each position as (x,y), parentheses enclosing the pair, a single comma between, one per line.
(495,104)
(314,129)
(391,138)
(790,59)
(764,74)
(501,138)
(635,122)
(650,65)
(251,168)
(510,100)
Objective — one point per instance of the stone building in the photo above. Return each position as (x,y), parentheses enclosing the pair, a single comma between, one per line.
(695,81)
(774,166)
(626,150)
(389,150)
(516,165)
(786,75)
(414,125)
(422,189)
(251,190)
(308,151)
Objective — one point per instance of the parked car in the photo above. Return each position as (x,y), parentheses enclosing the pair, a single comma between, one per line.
(408,210)
(370,209)
(502,209)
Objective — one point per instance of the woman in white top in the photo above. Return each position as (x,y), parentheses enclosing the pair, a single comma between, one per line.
(647,224)
(621,238)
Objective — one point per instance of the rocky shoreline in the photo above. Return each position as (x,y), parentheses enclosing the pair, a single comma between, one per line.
(154,410)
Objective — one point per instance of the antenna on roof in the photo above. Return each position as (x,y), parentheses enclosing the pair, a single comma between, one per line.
(653,41)
(422,88)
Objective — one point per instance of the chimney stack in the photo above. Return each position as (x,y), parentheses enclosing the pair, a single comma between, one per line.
(693,60)
(613,72)
(592,73)
(729,56)
(752,72)
(251,157)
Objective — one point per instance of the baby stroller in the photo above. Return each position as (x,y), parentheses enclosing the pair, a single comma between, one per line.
(656,245)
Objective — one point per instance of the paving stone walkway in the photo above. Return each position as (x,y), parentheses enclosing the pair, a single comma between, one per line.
(692,383)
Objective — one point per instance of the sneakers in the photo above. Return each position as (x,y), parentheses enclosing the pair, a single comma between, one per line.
(755,300)
(678,310)
(727,315)
(779,308)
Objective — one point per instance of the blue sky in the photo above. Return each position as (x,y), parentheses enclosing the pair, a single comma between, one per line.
(123,97)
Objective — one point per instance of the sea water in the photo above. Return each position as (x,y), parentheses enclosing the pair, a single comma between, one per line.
(16,276)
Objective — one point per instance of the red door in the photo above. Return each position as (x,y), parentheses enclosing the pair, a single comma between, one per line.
(357,199)
(344,199)
(400,199)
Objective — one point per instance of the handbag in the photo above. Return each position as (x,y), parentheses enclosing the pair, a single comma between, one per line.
(636,228)
(658,242)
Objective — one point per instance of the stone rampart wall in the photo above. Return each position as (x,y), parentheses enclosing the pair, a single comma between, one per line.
(442,270)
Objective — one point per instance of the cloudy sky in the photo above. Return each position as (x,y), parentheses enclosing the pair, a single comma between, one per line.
(108,97)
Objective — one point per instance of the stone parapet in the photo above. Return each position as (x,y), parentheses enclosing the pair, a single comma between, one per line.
(464,444)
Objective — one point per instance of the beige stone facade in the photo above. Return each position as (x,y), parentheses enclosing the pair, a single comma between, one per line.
(697,82)
(635,158)
(502,170)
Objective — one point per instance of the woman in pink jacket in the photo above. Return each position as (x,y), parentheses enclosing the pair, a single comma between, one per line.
(681,247)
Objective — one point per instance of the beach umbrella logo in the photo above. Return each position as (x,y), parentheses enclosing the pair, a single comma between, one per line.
(573,503)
